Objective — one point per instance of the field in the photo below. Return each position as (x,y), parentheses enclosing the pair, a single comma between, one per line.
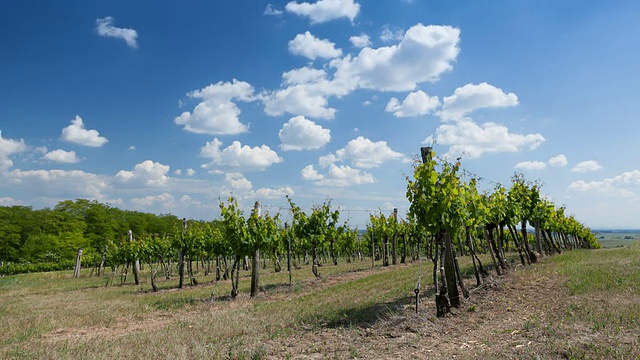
(583,304)
(616,238)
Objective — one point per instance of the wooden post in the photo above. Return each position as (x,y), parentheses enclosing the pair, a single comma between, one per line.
(538,233)
(394,240)
(76,272)
(136,263)
(181,255)
(288,253)
(373,252)
(450,272)
(104,258)
(255,263)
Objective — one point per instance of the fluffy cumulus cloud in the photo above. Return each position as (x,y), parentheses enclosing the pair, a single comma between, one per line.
(105,28)
(305,75)
(325,10)
(239,157)
(472,140)
(55,184)
(61,156)
(626,184)
(267,193)
(472,97)
(307,99)
(363,153)
(164,200)
(146,173)
(76,133)
(423,54)
(8,148)
(236,185)
(415,104)
(587,166)
(338,176)
(217,113)
(311,47)
(531,165)
(302,134)
(360,41)
(558,161)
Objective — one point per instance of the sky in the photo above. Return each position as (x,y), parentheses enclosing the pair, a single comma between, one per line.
(169,107)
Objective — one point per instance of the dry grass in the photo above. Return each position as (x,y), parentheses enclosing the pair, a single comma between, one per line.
(560,308)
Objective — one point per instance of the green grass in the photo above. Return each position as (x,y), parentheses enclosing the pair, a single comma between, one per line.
(606,286)
(52,315)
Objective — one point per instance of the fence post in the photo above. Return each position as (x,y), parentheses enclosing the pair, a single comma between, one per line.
(76,272)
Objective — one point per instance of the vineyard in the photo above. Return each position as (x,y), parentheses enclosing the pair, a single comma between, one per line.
(260,276)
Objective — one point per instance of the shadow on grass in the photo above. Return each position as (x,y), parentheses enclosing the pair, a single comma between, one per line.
(365,317)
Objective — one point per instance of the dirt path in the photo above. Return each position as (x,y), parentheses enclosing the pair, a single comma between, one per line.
(518,316)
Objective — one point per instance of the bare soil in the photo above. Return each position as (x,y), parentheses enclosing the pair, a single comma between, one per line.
(521,315)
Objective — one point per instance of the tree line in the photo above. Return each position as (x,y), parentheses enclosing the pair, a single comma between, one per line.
(49,238)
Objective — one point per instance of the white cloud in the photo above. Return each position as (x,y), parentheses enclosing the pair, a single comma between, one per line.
(531,165)
(389,35)
(311,47)
(237,185)
(364,153)
(271,10)
(267,193)
(415,104)
(164,200)
(618,185)
(325,10)
(302,134)
(105,28)
(468,138)
(310,173)
(178,172)
(147,173)
(7,201)
(217,114)
(190,172)
(131,148)
(61,156)
(76,133)
(56,184)
(558,161)
(338,176)
(587,166)
(360,41)
(303,75)
(424,53)
(8,148)
(472,97)
(242,158)
(303,99)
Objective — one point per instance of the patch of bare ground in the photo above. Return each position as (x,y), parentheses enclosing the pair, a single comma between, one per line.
(524,314)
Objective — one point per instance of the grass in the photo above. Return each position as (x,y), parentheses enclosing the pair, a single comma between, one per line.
(606,287)
(53,316)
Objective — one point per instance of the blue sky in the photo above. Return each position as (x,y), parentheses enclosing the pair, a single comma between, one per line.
(168,107)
